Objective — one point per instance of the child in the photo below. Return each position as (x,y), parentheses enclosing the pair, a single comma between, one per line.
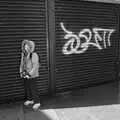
(29,72)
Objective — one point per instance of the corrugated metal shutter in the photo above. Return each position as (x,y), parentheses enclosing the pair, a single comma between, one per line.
(93,66)
(19,20)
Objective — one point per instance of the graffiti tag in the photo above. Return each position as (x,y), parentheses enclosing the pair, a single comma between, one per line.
(76,44)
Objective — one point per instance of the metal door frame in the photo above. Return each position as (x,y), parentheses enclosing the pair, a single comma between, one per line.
(51,43)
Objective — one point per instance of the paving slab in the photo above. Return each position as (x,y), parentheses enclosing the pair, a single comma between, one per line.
(51,113)
(106,112)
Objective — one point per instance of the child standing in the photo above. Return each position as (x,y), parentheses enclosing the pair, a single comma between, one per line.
(29,72)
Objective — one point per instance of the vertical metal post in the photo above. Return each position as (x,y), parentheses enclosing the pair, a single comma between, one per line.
(118,48)
(51,42)
(118,42)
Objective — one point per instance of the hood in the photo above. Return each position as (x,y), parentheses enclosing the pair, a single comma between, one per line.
(31,44)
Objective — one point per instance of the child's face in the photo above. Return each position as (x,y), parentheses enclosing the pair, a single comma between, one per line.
(27,49)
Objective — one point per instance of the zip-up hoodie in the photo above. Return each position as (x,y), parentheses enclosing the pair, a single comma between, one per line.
(30,65)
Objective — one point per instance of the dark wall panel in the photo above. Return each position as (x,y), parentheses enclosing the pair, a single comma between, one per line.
(92,65)
(19,20)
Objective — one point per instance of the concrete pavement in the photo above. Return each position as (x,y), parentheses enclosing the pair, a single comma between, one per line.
(94,103)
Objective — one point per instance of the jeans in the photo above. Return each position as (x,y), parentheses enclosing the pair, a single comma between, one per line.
(31,91)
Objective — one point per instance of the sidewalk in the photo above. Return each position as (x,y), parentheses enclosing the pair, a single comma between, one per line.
(95,103)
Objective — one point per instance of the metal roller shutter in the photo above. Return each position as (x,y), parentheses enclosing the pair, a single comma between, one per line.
(19,20)
(93,65)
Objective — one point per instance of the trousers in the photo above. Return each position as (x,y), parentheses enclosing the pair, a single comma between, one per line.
(31,91)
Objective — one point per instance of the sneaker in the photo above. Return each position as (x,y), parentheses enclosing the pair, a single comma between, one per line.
(28,102)
(36,106)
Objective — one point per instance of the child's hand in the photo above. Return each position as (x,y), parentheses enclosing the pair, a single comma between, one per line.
(27,76)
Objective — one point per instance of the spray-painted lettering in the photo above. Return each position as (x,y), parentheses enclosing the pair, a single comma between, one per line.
(76,45)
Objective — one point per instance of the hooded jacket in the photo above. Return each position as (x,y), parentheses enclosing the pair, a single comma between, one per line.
(31,65)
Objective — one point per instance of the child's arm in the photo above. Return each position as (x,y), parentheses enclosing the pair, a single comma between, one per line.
(21,65)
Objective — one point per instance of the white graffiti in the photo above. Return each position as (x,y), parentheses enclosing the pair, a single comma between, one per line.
(80,43)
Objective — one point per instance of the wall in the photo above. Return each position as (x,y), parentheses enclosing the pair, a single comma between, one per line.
(107,1)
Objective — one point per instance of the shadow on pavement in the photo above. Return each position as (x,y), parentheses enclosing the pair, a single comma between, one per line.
(107,94)
(94,96)
(19,112)
(36,115)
